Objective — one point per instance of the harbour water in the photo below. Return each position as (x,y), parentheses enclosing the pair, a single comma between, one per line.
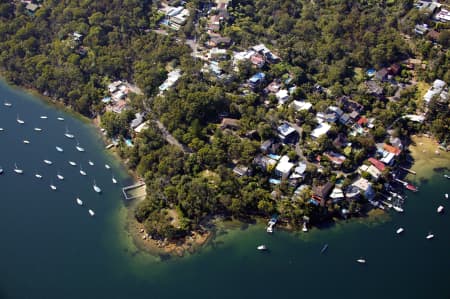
(51,248)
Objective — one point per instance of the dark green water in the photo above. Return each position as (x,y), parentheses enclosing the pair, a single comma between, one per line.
(52,248)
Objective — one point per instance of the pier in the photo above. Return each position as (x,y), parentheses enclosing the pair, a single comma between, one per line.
(408,170)
(134,191)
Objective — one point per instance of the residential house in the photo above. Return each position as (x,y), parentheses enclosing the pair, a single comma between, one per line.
(268,55)
(230,123)
(141,127)
(365,187)
(337,195)
(256,80)
(438,89)
(257,60)
(320,130)
(273,87)
(282,96)
(214,23)
(335,158)
(139,119)
(443,16)
(396,142)
(421,29)
(284,167)
(348,105)
(270,147)
(172,78)
(241,170)
(31,7)
(394,69)
(374,89)
(354,116)
(352,193)
(218,42)
(370,169)
(320,193)
(287,134)
(428,7)
(382,74)
(433,35)
(301,105)
(340,141)
(344,119)
(378,164)
(265,162)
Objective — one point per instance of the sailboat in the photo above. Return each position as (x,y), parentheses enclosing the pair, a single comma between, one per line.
(17,170)
(79,148)
(107,166)
(96,188)
(79,201)
(53,187)
(19,121)
(361,261)
(1,170)
(37,175)
(38,129)
(68,135)
(44,117)
(59,149)
(440,209)
(91,163)
(91,212)
(26,141)
(59,176)
(429,236)
(7,104)
(48,162)
(399,230)
(114,180)
(82,172)
(72,163)
(1,129)
(60,119)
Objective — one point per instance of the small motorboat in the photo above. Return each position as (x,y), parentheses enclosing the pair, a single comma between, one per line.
(60,118)
(79,148)
(304,228)
(38,129)
(446,195)
(26,141)
(79,201)
(114,180)
(399,230)
(48,162)
(19,121)
(7,104)
(440,209)
(262,247)
(446,176)
(1,129)
(1,170)
(429,236)
(96,188)
(398,209)
(37,175)
(53,187)
(17,170)
(361,261)
(59,176)
(59,149)
(44,117)
(68,135)
(107,166)
(324,248)
(72,163)
(91,163)
(82,172)
(91,212)
(269,229)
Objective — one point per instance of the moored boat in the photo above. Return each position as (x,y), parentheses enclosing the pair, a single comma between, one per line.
(38,129)
(82,172)
(72,163)
(26,141)
(79,201)
(96,188)
(91,212)
(59,149)
(114,180)
(446,195)
(17,169)
(411,187)
(399,230)
(304,228)
(446,176)
(59,176)
(7,104)
(79,148)
(48,162)
(60,118)
(37,175)
(440,209)
(1,170)
(398,209)
(324,248)
(107,166)
(361,261)
(429,236)
(262,247)
(69,135)
(44,117)
(91,163)
(53,187)
(19,121)
(1,129)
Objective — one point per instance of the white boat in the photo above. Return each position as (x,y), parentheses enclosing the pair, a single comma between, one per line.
(26,141)
(59,176)
(79,201)
(53,187)
(19,121)
(72,163)
(399,230)
(38,129)
(68,135)
(59,149)
(440,209)
(446,195)
(60,119)
(91,212)
(44,117)
(107,166)
(79,148)
(17,170)
(82,172)
(37,175)
(261,247)
(398,209)
(429,236)
(7,104)
(304,228)
(91,163)
(96,188)
(269,229)
(48,162)
(114,180)
(361,261)
(1,170)
(1,129)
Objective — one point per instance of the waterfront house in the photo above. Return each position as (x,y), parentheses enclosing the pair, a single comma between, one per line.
(365,187)
(370,169)
(378,164)
(337,195)
(287,134)
(320,193)
(139,119)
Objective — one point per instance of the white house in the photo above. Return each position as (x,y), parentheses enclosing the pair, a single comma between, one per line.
(284,167)
(320,130)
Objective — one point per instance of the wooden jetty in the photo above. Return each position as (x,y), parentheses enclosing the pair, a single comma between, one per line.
(408,170)
(127,191)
